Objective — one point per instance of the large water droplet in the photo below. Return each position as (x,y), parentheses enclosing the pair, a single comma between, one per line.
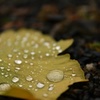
(15,79)
(55,75)
(18,61)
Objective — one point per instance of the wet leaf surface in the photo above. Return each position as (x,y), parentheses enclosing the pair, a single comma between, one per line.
(28,59)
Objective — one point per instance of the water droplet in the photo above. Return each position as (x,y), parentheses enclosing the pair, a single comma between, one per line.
(55,75)
(2,73)
(29,78)
(8,69)
(46,44)
(9,64)
(18,61)
(57,47)
(15,50)
(45,95)
(30,86)
(59,51)
(50,88)
(20,85)
(15,79)
(9,55)
(51,85)
(26,51)
(40,85)
(36,89)
(41,56)
(31,64)
(70,68)
(17,68)
(32,53)
(32,57)
(25,56)
(73,74)
(19,53)
(4,87)
(0,60)
(47,54)
(6,75)
(36,46)
(2,68)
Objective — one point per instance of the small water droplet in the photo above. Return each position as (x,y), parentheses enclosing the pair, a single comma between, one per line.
(10,55)
(73,74)
(50,88)
(15,50)
(26,51)
(15,79)
(36,89)
(6,75)
(45,95)
(19,53)
(41,56)
(30,86)
(36,46)
(31,64)
(9,64)
(25,56)
(8,69)
(0,60)
(51,85)
(55,75)
(1,67)
(26,61)
(40,85)
(32,53)
(18,61)
(2,73)
(70,68)
(32,57)
(4,87)
(29,78)
(17,68)
(46,44)
(47,54)
(57,47)
(20,85)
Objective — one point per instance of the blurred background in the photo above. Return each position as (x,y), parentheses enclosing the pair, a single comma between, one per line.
(55,17)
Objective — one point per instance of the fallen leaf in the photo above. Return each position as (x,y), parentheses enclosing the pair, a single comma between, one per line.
(28,59)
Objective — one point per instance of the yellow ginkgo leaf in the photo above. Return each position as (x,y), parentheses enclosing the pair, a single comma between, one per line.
(28,59)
